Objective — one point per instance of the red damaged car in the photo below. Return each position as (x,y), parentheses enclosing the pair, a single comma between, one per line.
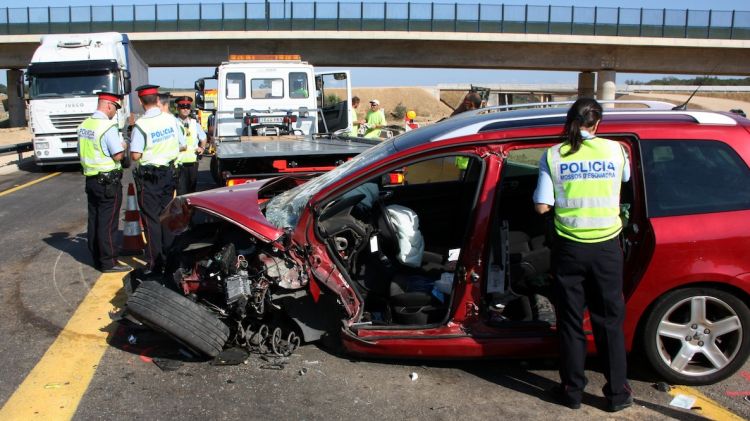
(427,246)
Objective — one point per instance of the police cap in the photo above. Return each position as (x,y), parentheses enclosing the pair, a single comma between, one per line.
(113,98)
(183,101)
(144,90)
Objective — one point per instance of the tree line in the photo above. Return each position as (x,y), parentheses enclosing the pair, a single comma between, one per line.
(700,80)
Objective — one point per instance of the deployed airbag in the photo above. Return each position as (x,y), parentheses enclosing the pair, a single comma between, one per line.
(410,241)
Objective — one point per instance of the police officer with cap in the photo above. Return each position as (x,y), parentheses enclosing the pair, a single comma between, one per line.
(195,138)
(101,150)
(155,144)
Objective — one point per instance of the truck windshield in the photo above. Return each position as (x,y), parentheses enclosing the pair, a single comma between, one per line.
(66,85)
(284,210)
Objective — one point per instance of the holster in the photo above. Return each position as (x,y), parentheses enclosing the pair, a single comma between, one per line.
(111,182)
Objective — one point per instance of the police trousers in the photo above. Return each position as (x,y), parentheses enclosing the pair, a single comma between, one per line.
(188,180)
(104,203)
(156,190)
(590,275)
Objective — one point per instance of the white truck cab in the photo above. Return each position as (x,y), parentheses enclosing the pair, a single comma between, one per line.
(275,95)
(65,74)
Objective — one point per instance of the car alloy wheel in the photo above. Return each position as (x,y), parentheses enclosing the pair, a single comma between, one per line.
(697,336)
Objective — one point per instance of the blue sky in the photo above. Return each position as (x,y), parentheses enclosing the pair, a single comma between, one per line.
(184,77)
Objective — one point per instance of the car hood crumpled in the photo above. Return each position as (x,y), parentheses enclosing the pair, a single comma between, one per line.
(238,205)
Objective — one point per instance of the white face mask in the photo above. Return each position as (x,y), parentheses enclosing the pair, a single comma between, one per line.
(586,135)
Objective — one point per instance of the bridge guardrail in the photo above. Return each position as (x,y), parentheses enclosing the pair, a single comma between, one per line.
(385,16)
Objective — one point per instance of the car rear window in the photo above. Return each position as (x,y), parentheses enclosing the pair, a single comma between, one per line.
(697,176)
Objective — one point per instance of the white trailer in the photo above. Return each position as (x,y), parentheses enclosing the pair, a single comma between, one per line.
(65,75)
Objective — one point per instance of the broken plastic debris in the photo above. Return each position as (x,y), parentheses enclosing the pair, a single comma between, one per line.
(663,387)
(302,371)
(683,401)
(132,339)
(413,376)
(167,364)
(54,385)
(311,362)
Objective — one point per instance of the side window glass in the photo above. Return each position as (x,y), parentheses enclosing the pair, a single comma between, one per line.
(298,87)
(235,86)
(436,170)
(523,162)
(698,176)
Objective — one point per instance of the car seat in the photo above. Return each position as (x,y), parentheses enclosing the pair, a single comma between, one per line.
(530,257)
(415,271)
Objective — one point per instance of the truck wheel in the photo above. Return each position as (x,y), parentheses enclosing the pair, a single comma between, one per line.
(185,321)
(697,336)
(215,170)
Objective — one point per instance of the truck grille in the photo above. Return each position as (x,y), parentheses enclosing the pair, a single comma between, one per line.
(67,121)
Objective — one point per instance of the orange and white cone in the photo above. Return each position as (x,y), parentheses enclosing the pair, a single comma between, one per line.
(132,239)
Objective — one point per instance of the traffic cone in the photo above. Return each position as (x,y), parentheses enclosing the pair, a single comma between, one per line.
(132,240)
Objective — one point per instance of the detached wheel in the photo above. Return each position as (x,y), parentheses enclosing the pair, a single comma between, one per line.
(697,336)
(187,322)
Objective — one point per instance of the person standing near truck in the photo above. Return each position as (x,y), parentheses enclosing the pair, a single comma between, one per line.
(354,117)
(581,177)
(195,138)
(375,119)
(101,150)
(156,143)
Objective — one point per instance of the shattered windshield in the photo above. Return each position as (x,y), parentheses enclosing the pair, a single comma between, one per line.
(284,210)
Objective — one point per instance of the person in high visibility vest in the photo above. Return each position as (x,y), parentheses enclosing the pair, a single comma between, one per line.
(580,180)
(354,117)
(156,143)
(195,138)
(101,150)
(375,119)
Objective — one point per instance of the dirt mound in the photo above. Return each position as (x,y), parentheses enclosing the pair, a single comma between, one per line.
(423,101)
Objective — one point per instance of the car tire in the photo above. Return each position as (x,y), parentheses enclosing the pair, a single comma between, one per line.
(697,336)
(185,321)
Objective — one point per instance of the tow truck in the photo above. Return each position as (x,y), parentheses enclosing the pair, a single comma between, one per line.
(274,115)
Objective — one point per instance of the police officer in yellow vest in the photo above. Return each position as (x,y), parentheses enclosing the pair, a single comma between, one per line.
(196,142)
(101,150)
(156,143)
(581,177)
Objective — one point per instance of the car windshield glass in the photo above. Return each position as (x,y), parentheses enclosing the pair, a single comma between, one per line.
(49,86)
(284,210)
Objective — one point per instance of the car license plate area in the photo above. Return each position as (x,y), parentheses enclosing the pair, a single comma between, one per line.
(271,120)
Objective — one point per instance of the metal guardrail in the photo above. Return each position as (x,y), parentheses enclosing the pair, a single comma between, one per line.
(19,147)
(383,16)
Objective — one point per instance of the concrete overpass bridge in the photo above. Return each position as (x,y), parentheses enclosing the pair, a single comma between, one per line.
(597,42)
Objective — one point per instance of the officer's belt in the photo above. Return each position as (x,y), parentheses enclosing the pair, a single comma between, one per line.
(188,164)
(113,173)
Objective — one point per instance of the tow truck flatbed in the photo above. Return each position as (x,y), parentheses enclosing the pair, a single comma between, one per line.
(285,146)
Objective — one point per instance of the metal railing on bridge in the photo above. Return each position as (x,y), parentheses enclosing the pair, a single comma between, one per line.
(386,16)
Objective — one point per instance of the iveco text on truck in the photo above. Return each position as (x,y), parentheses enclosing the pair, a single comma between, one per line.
(65,75)
(275,115)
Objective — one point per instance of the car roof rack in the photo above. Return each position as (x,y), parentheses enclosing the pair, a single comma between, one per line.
(653,105)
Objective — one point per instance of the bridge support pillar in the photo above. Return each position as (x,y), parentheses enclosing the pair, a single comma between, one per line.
(16,105)
(585,85)
(606,86)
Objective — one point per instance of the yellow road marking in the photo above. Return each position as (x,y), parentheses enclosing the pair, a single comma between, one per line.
(54,388)
(708,407)
(30,183)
